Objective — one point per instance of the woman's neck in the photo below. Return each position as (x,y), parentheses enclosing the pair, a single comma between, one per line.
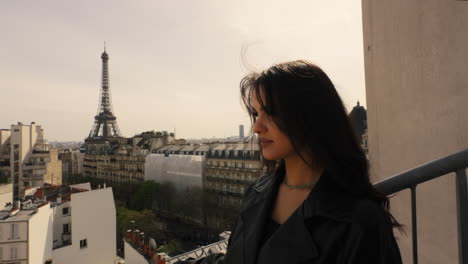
(299,173)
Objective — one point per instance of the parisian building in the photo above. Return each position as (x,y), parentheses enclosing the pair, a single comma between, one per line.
(72,163)
(26,159)
(230,169)
(123,159)
(59,224)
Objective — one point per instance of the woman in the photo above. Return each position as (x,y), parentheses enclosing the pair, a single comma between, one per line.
(316,203)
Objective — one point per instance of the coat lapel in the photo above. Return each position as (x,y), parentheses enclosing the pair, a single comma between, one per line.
(256,212)
(255,215)
(291,243)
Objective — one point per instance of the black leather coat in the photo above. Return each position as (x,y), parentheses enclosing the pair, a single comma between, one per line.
(329,227)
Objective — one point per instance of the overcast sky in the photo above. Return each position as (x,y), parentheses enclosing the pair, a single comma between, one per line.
(174,64)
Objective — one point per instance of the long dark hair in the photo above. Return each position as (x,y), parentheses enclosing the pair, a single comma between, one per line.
(305,106)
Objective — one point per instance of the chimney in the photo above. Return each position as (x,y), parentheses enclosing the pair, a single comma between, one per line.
(104,185)
(59,198)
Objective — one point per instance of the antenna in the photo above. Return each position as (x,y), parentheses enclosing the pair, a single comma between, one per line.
(104,46)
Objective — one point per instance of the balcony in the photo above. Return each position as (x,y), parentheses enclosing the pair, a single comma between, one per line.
(40,152)
(32,166)
(33,177)
(5,180)
(455,163)
(61,243)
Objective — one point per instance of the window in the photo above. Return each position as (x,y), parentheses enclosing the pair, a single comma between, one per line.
(66,228)
(243,165)
(225,164)
(13,253)
(66,211)
(83,243)
(217,163)
(235,164)
(14,231)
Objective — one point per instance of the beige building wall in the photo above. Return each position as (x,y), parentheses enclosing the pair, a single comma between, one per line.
(416,63)
(26,159)
(53,168)
(93,218)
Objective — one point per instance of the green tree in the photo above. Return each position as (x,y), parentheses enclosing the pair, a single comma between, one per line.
(172,248)
(144,196)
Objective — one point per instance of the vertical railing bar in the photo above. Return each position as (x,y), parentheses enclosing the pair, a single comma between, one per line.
(414,224)
(462,216)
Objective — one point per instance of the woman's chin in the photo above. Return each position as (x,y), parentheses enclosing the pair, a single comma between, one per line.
(270,156)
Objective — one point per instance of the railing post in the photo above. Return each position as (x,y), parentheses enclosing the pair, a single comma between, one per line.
(414,224)
(462,216)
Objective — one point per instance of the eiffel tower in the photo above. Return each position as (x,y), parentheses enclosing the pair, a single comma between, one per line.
(105,123)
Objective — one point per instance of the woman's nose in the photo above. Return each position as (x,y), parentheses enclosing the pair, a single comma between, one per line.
(258,126)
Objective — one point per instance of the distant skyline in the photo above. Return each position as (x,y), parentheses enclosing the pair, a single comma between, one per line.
(174,65)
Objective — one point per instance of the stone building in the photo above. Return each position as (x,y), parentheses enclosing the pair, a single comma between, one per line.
(230,169)
(122,159)
(72,163)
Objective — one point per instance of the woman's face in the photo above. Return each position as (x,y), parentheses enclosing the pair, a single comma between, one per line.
(275,144)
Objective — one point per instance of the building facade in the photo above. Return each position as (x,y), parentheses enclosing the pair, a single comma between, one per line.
(123,159)
(416,88)
(60,224)
(230,169)
(26,235)
(72,163)
(26,159)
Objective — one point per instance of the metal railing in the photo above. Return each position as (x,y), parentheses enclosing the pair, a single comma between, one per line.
(457,162)
(203,251)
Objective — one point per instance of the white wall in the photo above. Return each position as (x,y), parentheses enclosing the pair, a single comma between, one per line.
(18,242)
(93,218)
(21,252)
(132,256)
(182,170)
(84,186)
(6,235)
(40,235)
(59,221)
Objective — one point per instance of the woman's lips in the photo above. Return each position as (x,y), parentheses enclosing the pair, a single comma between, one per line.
(265,142)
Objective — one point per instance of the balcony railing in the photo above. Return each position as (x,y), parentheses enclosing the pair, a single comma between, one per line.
(36,164)
(204,251)
(40,152)
(455,163)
